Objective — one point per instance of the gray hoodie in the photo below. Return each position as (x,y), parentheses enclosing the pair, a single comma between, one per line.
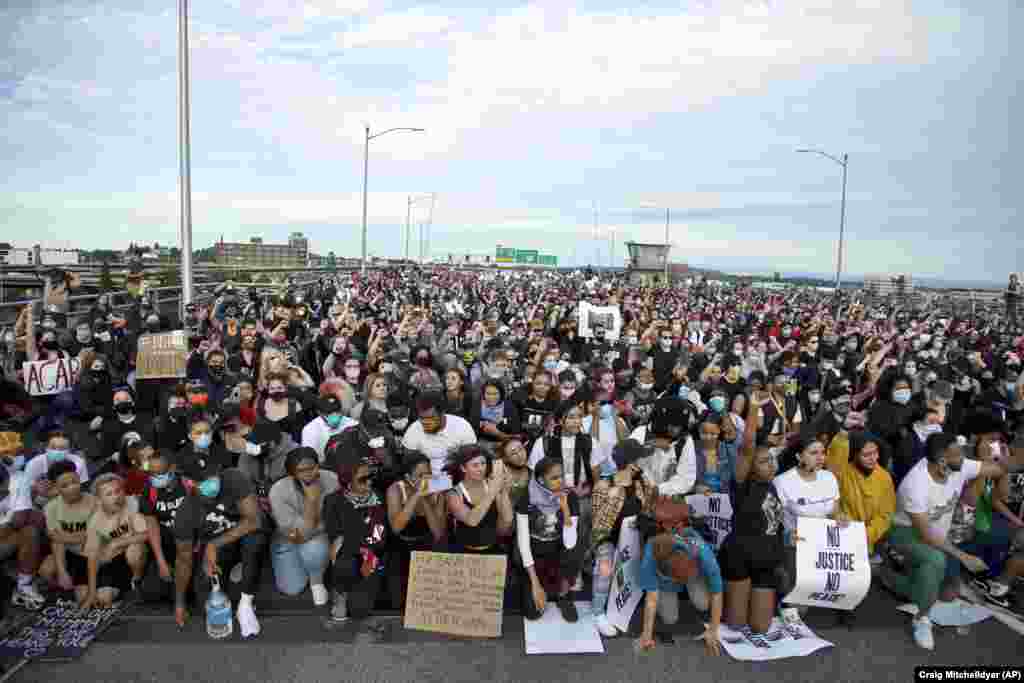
(273,462)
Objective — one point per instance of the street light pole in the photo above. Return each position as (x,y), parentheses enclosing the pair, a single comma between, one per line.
(844,162)
(667,247)
(184,159)
(408,229)
(366,171)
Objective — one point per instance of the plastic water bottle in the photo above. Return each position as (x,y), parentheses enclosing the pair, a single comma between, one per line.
(962,629)
(219,622)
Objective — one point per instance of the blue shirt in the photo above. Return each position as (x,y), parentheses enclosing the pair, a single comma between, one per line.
(650,580)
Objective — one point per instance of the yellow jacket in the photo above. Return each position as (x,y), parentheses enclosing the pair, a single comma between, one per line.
(869,499)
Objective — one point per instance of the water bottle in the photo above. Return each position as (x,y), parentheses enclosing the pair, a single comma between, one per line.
(219,622)
(962,629)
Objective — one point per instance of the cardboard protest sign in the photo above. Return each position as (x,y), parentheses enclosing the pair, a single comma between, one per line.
(551,634)
(608,316)
(461,595)
(61,631)
(716,509)
(782,640)
(832,567)
(162,356)
(625,594)
(47,377)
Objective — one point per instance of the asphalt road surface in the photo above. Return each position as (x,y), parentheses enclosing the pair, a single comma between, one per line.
(295,646)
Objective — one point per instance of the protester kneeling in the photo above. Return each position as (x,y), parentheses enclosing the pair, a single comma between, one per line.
(162,497)
(115,545)
(356,523)
(20,526)
(547,524)
(67,519)
(672,563)
(299,550)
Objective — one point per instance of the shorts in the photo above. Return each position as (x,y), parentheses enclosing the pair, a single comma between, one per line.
(115,574)
(756,559)
(78,568)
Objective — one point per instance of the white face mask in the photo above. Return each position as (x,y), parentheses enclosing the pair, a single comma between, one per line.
(376,442)
(400,424)
(645,387)
(666,344)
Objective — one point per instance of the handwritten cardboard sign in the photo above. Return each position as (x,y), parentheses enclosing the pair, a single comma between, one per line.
(47,377)
(460,595)
(832,567)
(162,356)
(61,631)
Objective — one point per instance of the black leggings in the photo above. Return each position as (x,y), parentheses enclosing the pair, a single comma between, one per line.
(251,551)
(361,591)
(569,564)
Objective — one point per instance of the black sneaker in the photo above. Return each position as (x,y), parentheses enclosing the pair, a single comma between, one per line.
(847,618)
(568,609)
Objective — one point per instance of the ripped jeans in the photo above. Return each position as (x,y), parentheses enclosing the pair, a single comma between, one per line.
(605,552)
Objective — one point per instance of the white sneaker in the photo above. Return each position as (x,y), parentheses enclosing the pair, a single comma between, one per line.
(247,621)
(320,594)
(923,633)
(27,597)
(604,627)
(998,590)
(236,573)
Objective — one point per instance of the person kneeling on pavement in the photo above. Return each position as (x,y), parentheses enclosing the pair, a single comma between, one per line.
(19,526)
(224,519)
(115,545)
(67,520)
(356,523)
(161,499)
(547,525)
(675,562)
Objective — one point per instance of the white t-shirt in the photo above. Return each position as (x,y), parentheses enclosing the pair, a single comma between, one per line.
(802,498)
(19,498)
(456,433)
(674,477)
(919,492)
(316,434)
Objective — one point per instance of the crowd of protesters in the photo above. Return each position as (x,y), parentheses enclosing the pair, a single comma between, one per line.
(325,432)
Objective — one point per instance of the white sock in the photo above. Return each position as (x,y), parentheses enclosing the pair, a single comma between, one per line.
(24,580)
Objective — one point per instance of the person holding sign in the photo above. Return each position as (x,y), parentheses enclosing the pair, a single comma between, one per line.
(925,502)
(673,563)
(547,524)
(479,504)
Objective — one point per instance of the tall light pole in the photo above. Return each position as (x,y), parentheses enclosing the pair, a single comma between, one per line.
(184,159)
(366,171)
(844,162)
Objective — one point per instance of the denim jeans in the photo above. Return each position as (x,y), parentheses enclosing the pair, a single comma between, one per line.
(295,565)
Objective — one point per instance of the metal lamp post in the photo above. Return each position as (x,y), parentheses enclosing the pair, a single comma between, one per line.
(844,162)
(366,172)
(184,159)
(668,247)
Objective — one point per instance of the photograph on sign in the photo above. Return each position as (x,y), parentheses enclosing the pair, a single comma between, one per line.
(48,377)
(553,635)
(832,567)
(716,511)
(608,316)
(461,595)
(625,594)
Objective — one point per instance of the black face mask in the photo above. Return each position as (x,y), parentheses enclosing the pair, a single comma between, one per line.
(50,345)
(423,362)
(217,371)
(153,327)
(126,408)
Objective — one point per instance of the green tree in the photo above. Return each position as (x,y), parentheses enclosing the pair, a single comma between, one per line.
(169,277)
(777,277)
(106,281)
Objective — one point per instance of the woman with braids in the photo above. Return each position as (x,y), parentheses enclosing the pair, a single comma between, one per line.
(479,504)
(356,523)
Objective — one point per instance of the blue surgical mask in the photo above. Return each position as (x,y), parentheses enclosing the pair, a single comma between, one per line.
(161,481)
(55,455)
(789,372)
(717,404)
(209,488)
(684,391)
(204,441)
(606,411)
(550,365)
(901,396)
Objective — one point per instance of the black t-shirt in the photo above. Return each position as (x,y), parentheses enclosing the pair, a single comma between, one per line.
(758,510)
(534,413)
(114,432)
(163,503)
(209,518)
(546,529)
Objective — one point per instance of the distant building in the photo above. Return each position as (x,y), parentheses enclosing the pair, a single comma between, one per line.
(898,285)
(256,253)
(15,256)
(646,262)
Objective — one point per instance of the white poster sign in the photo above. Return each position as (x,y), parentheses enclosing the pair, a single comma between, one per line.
(716,509)
(625,595)
(551,634)
(832,567)
(608,316)
(781,641)
(47,377)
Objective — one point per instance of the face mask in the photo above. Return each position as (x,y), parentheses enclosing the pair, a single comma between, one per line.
(278,395)
(56,455)
(352,375)
(103,336)
(910,370)
(203,441)
(932,429)
(15,463)
(98,370)
(684,391)
(814,397)
(49,325)
(161,481)
(209,488)
(901,396)
(376,442)
(666,344)
(717,404)
(217,371)
(645,387)
(153,327)
(399,425)
(550,365)
(423,362)
(827,365)
(851,347)
(333,420)
(126,408)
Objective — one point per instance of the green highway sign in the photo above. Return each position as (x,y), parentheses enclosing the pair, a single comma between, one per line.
(526,255)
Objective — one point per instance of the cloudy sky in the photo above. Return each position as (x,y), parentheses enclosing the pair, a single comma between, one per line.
(536,114)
